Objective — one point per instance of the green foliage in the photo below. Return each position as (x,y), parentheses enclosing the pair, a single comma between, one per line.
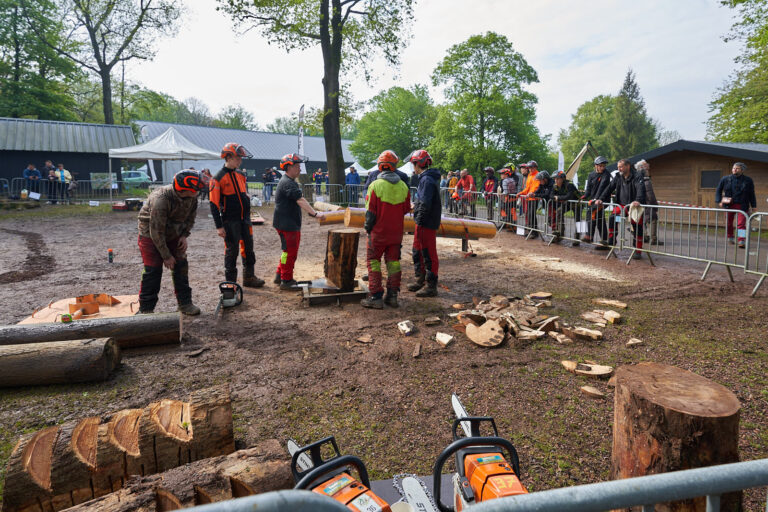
(590,123)
(631,130)
(237,117)
(400,119)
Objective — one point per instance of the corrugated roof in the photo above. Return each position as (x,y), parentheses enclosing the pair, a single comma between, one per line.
(59,136)
(736,150)
(748,146)
(263,145)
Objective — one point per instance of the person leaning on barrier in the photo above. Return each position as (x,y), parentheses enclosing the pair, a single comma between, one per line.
(454,179)
(489,190)
(736,193)
(563,191)
(508,193)
(652,214)
(544,192)
(464,190)
(629,189)
(353,180)
(597,181)
(527,195)
(32,178)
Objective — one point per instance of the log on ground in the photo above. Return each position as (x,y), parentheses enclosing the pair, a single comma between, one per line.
(668,419)
(58,362)
(321,206)
(341,258)
(128,332)
(450,227)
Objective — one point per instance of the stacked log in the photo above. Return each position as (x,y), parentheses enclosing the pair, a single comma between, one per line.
(450,227)
(66,465)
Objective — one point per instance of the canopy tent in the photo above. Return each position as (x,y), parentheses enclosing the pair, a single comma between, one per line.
(407,168)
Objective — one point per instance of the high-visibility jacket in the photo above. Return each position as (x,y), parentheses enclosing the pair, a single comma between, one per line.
(531,184)
(388,201)
(229,197)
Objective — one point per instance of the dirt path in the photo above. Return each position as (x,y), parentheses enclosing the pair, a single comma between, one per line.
(298,372)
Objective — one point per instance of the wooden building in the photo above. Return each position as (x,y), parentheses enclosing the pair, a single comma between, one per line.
(688,172)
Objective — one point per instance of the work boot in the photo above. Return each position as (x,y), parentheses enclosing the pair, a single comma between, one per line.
(189,309)
(429,291)
(372,302)
(637,256)
(277,279)
(365,278)
(289,286)
(390,299)
(145,311)
(418,285)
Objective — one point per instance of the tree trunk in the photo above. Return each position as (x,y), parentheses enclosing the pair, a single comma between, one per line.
(330,43)
(59,467)
(106,91)
(341,258)
(263,468)
(668,419)
(450,227)
(58,362)
(128,332)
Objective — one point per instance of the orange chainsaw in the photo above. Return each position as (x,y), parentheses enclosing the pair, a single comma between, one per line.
(483,472)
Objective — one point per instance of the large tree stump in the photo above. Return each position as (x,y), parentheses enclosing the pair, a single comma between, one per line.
(58,362)
(341,258)
(669,419)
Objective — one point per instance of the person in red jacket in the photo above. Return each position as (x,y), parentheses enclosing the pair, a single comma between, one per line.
(490,183)
(388,201)
(465,188)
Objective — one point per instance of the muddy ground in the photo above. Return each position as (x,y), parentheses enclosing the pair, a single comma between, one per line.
(297,372)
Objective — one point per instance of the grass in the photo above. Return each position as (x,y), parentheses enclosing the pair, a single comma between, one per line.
(59,210)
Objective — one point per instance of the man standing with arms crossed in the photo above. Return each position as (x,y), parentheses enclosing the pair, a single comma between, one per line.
(231,211)
(427,213)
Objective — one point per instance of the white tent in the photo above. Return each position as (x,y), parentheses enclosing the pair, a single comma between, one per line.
(407,168)
(361,170)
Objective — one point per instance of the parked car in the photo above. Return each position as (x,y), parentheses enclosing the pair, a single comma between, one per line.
(136,178)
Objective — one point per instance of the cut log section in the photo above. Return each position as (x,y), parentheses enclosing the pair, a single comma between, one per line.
(490,334)
(128,332)
(590,370)
(334,217)
(321,206)
(263,468)
(450,227)
(668,419)
(592,392)
(59,467)
(611,303)
(58,362)
(582,333)
(540,296)
(341,258)
(594,317)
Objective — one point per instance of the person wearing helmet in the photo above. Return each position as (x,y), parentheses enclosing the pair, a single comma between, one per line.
(165,223)
(489,186)
(289,201)
(427,214)
(388,201)
(451,192)
(508,193)
(231,212)
(529,202)
(465,189)
(597,181)
(563,191)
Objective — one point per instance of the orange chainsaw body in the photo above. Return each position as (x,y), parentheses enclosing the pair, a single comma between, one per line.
(352,494)
(491,476)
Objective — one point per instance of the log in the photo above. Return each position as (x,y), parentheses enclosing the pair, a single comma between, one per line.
(59,467)
(321,206)
(128,332)
(58,362)
(263,468)
(668,419)
(341,258)
(450,227)
(336,217)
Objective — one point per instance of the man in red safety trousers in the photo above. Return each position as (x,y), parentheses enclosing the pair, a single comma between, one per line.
(231,212)
(427,213)
(387,203)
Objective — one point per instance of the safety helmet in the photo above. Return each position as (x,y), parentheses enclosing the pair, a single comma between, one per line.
(387,160)
(420,157)
(291,158)
(510,166)
(542,175)
(524,165)
(532,164)
(505,171)
(235,149)
(489,169)
(601,160)
(559,174)
(188,179)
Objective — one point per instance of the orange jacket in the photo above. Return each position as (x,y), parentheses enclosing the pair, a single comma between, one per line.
(531,183)
(229,196)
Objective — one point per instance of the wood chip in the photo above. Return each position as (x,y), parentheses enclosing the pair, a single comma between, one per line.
(610,302)
(540,296)
(582,333)
(531,335)
(612,316)
(432,320)
(634,342)
(417,350)
(590,370)
(594,317)
(592,392)
(471,317)
(460,328)
(197,352)
(443,339)
(459,306)
(560,338)
(365,338)
(406,327)
(500,301)
(490,334)
(612,381)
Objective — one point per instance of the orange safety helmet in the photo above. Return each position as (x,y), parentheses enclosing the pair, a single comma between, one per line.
(387,160)
(235,149)
(420,157)
(292,158)
(189,180)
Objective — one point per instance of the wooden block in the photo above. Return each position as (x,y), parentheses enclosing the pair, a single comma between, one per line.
(365,338)
(595,318)
(592,392)
(582,333)
(633,342)
(341,258)
(406,327)
(432,320)
(612,316)
(560,338)
(417,350)
(590,370)
(444,339)
(530,335)
(610,302)
(540,296)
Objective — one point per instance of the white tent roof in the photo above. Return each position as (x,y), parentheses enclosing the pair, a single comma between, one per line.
(358,167)
(169,145)
(407,168)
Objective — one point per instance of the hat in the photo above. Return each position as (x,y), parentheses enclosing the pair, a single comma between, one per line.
(635,213)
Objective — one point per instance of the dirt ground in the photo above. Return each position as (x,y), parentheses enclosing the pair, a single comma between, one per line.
(297,372)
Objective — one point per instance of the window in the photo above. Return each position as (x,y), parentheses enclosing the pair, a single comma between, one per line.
(710,179)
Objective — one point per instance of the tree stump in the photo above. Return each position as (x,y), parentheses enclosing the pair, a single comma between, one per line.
(669,419)
(341,258)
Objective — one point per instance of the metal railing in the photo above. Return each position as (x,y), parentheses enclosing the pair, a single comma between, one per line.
(709,483)
(324,192)
(5,187)
(756,251)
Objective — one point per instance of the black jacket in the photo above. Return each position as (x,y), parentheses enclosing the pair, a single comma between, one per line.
(545,189)
(596,184)
(427,210)
(287,216)
(626,190)
(375,174)
(741,190)
(567,192)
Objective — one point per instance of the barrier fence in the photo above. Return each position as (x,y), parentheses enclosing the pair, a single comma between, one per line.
(5,187)
(756,250)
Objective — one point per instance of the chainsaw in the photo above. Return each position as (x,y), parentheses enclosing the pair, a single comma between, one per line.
(231,295)
(483,472)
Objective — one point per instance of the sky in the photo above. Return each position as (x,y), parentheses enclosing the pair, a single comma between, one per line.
(579,50)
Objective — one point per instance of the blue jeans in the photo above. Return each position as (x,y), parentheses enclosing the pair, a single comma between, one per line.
(268,191)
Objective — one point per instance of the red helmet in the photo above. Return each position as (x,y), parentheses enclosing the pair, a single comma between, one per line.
(559,174)
(235,149)
(292,158)
(387,160)
(420,157)
(189,180)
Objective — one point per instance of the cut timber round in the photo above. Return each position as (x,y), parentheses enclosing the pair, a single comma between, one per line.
(321,206)
(450,227)
(541,296)
(341,258)
(669,419)
(129,331)
(591,370)
(28,477)
(335,217)
(490,334)
(58,362)
(592,392)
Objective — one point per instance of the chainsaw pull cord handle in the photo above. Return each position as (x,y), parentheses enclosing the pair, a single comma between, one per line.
(336,463)
(466,442)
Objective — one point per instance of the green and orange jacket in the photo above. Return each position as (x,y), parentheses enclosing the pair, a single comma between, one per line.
(388,201)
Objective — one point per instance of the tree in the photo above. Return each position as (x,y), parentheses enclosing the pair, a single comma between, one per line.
(489,117)
(740,110)
(399,119)
(107,32)
(631,130)
(591,122)
(349,32)
(237,117)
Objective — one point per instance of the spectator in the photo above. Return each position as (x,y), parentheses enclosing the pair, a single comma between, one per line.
(508,191)
(452,203)
(270,176)
(53,187)
(736,193)
(652,214)
(32,178)
(353,181)
(629,190)
(597,181)
(563,191)
(528,197)
(490,183)
(465,189)
(206,176)
(65,179)
(443,180)
(318,178)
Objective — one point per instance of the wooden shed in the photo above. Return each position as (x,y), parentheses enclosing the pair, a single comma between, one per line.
(688,172)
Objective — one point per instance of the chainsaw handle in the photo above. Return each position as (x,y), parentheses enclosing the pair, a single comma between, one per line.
(336,463)
(466,442)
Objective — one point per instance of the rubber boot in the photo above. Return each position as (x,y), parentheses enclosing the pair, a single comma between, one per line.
(390,299)
(418,285)
(431,288)
(250,280)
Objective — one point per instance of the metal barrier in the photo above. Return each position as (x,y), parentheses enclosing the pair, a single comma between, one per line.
(756,261)
(324,192)
(5,187)
(354,195)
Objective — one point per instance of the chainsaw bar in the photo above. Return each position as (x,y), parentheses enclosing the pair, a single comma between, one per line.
(461,412)
(415,492)
(303,461)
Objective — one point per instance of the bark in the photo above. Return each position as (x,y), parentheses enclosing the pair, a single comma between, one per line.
(341,258)
(128,332)
(330,43)
(669,419)
(106,92)
(58,362)
(449,227)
